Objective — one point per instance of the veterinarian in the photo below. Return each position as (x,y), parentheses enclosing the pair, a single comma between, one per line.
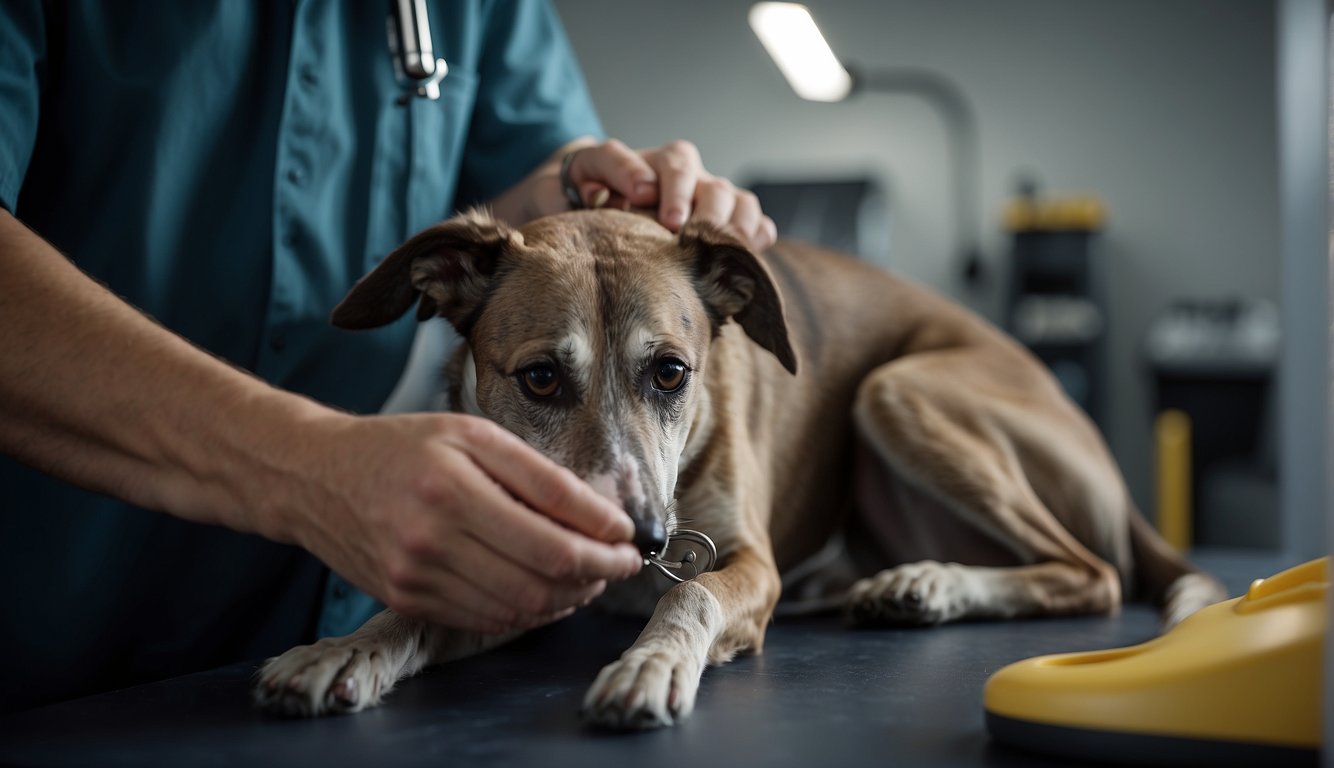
(216,176)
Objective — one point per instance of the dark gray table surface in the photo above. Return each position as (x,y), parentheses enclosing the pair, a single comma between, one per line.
(819,695)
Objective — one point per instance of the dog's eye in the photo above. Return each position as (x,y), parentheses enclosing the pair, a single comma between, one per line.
(540,381)
(669,375)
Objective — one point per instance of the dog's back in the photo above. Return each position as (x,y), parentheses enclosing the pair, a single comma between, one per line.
(846,319)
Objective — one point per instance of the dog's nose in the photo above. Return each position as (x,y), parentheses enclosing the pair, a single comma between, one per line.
(650,537)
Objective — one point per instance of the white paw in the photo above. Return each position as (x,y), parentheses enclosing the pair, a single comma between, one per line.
(1188,594)
(643,689)
(333,676)
(915,594)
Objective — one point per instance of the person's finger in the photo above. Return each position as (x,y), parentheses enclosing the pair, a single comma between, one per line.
(715,201)
(475,587)
(616,167)
(746,218)
(535,540)
(545,485)
(511,583)
(768,233)
(678,167)
(595,195)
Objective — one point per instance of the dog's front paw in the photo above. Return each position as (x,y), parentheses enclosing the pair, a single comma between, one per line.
(333,676)
(917,594)
(643,689)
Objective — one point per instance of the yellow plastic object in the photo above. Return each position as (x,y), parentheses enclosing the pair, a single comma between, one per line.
(1171,431)
(1244,672)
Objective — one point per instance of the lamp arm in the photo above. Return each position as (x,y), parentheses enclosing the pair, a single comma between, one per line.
(956,111)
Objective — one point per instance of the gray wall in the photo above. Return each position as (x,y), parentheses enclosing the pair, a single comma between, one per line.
(1163,108)
(1304,196)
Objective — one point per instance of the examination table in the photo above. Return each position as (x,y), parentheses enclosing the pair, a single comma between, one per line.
(819,695)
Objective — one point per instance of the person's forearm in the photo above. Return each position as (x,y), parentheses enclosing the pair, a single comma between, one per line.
(97,394)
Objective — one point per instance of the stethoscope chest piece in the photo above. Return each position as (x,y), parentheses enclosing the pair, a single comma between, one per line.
(416,66)
(430,87)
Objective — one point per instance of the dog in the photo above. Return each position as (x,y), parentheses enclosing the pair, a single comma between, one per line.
(887,449)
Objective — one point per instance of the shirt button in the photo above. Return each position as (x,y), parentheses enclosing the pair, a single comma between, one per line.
(340,591)
(296,176)
(277,341)
(309,77)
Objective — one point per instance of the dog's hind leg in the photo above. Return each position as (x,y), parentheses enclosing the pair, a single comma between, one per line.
(348,674)
(963,439)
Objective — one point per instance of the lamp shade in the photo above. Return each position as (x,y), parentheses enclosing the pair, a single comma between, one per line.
(789,34)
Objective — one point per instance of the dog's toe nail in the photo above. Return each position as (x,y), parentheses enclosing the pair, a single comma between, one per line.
(346,692)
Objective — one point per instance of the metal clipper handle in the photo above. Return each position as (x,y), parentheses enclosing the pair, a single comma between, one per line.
(676,569)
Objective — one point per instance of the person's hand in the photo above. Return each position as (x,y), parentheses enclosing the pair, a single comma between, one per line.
(672,180)
(669,180)
(450,518)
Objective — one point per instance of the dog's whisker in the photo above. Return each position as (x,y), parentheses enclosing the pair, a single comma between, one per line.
(672,522)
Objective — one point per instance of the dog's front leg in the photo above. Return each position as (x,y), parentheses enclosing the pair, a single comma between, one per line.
(707,620)
(348,674)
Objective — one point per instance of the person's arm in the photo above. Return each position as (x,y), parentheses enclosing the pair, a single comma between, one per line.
(432,513)
(534,108)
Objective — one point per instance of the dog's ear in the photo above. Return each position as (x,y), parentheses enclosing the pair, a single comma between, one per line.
(446,268)
(735,284)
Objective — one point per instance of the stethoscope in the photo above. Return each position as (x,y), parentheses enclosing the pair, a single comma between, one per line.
(415,62)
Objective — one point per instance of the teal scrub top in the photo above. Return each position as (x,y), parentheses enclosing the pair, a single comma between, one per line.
(231,168)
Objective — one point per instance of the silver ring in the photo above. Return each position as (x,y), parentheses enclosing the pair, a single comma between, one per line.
(566,184)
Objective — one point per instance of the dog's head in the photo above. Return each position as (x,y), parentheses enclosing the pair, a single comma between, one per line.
(588,333)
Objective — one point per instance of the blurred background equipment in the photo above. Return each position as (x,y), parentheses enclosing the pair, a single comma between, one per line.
(1055,303)
(849,215)
(1171,431)
(1213,360)
(790,35)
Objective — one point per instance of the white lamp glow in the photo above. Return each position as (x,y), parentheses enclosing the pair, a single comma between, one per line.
(789,34)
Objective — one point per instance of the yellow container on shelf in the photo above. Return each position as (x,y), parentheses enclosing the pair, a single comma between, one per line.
(1080,213)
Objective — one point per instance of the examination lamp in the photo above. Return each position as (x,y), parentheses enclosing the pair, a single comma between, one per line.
(790,35)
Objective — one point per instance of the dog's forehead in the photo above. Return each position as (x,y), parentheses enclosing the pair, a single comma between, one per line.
(609,227)
(600,244)
(602,275)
